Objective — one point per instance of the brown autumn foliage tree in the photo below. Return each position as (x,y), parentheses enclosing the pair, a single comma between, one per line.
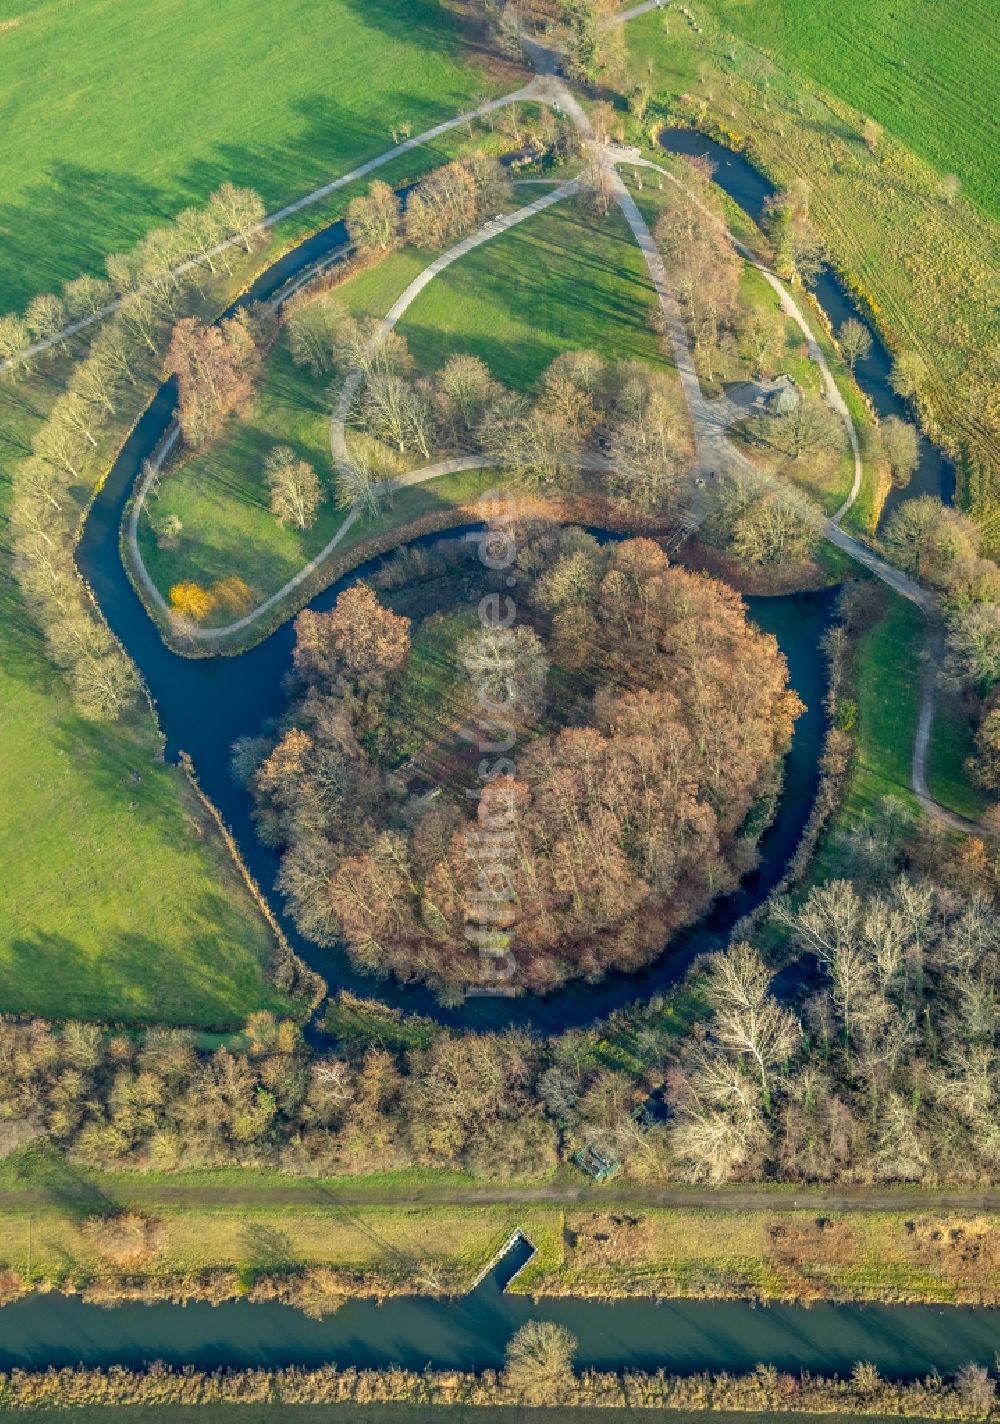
(453,199)
(215,366)
(618,828)
(358,637)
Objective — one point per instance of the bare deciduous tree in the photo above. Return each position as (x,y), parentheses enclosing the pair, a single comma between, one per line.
(748,1021)
(539,1363)
(855,341)
(295,489)
(238,211)
(900,445)
(373,222)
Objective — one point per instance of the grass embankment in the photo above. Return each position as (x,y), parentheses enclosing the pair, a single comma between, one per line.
(889,672)
(224,1234)
(517,302)
(924,264)
(145,108)
(927,74)
(798,1255)
(118,901)
(386,1250)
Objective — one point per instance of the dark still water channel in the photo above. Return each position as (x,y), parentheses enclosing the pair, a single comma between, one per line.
(747,186)
(472,1333)
(204,704)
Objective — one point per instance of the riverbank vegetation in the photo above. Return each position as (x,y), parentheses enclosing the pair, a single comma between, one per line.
(926,288)
(351,1413)
(970,1394)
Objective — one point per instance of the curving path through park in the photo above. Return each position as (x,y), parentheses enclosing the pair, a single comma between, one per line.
(710,418)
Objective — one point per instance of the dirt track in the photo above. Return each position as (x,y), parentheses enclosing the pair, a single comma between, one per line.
(323,1195)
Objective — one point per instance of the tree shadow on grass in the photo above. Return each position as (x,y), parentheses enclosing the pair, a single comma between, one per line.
(209,979)
(67,221)
(45,1169)
(268,1252)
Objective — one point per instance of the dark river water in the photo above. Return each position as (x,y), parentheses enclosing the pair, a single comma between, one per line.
(472,1333)
(203,706)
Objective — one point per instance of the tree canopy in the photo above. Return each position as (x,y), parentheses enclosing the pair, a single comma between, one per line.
(627,722)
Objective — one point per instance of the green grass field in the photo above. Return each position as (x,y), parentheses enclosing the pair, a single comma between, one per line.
(890,666)
(924,69)
(925,266)
(561,281)
(117,902)
(889,671)
(951,743)
(517,302)
(117,115)
(888,695)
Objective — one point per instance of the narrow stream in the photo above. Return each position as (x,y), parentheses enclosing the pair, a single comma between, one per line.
(747,186)
(471,1333)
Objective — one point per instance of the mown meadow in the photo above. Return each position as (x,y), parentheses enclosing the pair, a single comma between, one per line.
(516,303)
(116,116)
(924,69)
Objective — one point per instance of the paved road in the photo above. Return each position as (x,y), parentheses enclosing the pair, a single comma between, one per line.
(634,12)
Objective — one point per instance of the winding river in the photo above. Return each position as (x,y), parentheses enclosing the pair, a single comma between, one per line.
(203,706)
